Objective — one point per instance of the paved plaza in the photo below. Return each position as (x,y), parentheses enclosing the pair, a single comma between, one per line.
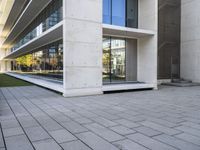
(33,118)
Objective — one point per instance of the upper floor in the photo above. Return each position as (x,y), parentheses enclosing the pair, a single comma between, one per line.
(127,18)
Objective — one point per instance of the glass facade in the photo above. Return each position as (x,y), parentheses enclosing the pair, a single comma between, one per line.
(46,61)
(118,12)
(121,12)
(107,11)
(114,54)
(49,17)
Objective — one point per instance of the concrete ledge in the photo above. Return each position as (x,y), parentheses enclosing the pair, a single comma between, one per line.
(82,92)
(181,84)
(41,82)
(134,86)
(161,81)
(112,30)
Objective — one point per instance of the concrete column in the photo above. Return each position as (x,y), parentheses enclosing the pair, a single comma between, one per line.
(82,41)
(2,66)
(5,66)
(190,40)
(147,47)
(2,62)
(8,65)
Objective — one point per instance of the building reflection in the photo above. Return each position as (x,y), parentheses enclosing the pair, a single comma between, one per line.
(46,61)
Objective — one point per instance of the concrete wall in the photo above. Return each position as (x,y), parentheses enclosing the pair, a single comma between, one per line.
(190,40)
(2,63)
(131,60)
(5,66)
(2,66)
(82,41)
(147,46)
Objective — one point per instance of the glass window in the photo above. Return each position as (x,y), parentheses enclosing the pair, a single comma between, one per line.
(121,12)
(114,60)
(46,62)
(132,13)
(117,60)
(107,11)
(106,60)
(118,12)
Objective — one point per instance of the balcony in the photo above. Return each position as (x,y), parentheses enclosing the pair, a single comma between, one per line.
(53,34)
(112,30)
(31,11)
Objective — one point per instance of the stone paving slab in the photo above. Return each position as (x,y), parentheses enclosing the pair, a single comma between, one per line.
(19,142)
(149,142)
(33,118)
(122,130)
(12,131)
(47,144)
(128,144)
(176,142)
(62,136)
(1,140)
(75,145)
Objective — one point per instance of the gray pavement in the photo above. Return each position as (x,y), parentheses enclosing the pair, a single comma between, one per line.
(33,118)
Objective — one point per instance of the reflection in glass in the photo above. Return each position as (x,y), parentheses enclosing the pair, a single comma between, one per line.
(132,13)
(121,12)
(113,60)
(46,61)
(118,12)
(117,60)
(106,60)
(107,11)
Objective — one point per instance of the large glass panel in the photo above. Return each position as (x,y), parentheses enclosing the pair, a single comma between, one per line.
(46,62)
(132,13)
(107,11)
(121,12)
(118,60)
(106,60)
(113,60)
(118,12)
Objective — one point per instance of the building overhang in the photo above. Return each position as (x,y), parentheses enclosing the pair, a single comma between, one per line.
(118,31)
(31,11)
(5,8)
(15,11)
(53,34)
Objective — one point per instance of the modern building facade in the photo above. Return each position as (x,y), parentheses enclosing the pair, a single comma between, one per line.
(82,47)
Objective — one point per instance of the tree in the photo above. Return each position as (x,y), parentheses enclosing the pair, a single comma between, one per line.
(26,60)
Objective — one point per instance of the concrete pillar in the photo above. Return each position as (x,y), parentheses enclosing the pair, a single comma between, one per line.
(2,66)
(5,66)
(131,60)
(147,46)
(190,40)
(8,65)
(2,62)
(82,41)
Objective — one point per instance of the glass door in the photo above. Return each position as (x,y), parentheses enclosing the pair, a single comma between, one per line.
(114,60)
(106,60)
(118,73)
